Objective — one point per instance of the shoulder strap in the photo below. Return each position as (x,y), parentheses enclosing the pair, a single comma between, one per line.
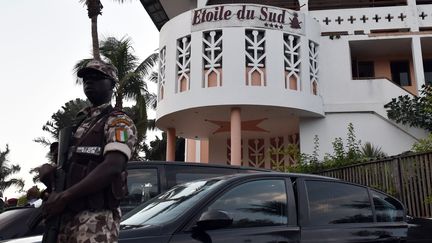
(101,118)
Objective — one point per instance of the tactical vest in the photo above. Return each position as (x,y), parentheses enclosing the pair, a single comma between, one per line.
(86,155)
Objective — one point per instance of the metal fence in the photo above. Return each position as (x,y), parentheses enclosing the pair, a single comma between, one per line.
(407,177)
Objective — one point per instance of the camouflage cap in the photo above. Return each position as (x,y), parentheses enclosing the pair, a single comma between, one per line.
(100,66)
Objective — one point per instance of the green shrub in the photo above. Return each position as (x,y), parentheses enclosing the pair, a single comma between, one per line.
(423,145)
(343,155)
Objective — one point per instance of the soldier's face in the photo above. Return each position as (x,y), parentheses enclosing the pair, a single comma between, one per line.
(97,88)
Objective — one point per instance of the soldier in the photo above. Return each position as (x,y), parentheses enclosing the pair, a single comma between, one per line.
(96,169)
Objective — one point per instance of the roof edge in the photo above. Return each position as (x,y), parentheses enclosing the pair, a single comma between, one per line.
(156,12)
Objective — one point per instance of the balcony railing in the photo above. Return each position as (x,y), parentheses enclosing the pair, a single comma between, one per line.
(290,4)
(322,4)
(338,4)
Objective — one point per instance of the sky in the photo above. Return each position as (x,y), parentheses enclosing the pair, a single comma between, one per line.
(40,41)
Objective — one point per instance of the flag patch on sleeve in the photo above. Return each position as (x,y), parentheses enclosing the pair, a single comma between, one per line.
(121,135)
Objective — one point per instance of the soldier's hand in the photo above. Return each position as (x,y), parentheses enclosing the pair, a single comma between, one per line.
(46,173)
(54,205)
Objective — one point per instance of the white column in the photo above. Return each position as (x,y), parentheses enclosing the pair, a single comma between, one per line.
(412,5)
(304,66)
(186,150)
(417,57)
(198,151)
(235,136)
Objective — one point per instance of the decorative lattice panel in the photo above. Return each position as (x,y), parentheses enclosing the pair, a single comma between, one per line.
(212,58)
(183,63)
(292,61)
(255,57)
(293,139)
(313,66)
(277,153)
(256,153)
(162,73)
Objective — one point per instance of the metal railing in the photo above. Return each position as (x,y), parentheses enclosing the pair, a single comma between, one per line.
(338,4)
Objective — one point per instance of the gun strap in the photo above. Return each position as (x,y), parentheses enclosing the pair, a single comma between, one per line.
(101,118)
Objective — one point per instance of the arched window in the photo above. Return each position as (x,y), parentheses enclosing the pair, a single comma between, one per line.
(314,88)
(183,63)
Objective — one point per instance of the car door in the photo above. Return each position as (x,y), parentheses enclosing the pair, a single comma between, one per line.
(143,184)
(335,211)
(262,211)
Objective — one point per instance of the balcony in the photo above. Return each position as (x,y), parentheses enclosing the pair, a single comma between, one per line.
(377,19)
(392,60)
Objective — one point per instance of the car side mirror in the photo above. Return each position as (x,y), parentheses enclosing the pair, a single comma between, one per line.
(214,219)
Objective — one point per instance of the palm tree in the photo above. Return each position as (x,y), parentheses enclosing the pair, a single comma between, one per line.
(132,79)
(64,117)
(370,151)
(94,9)
(6,171)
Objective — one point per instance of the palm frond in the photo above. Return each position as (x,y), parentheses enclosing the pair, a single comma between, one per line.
(151,124)
(42,140)
(12,182)
(153,77)
(6,171)
(370,151)
(147,66)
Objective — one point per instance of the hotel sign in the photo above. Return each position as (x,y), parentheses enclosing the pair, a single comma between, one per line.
(219,16)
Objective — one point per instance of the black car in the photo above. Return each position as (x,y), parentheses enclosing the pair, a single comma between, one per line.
(18,221)
(148,179)
(145,181)
(267,207)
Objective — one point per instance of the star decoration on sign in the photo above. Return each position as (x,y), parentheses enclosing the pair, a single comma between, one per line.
(252,125)
(272,25)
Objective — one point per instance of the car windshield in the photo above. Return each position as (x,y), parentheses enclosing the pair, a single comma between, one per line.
(167,206)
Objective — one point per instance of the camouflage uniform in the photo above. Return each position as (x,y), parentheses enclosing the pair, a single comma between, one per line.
(120,135)
(89,227)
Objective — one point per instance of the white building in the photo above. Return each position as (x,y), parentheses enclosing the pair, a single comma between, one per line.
(239,79)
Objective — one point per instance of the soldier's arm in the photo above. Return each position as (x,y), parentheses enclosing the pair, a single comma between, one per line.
(98,179)
(120,139)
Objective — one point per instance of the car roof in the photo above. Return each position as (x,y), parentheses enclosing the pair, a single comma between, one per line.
(276,174)
(194,164)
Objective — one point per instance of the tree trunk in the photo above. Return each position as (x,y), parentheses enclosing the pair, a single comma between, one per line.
(119,101)
(95,38)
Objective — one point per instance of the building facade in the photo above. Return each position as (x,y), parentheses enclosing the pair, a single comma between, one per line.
(243,81)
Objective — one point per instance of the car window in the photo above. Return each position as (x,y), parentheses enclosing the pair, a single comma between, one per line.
(387,209)
(337,203)
(255,203)
(143,184)
(181,174)
(169,205)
